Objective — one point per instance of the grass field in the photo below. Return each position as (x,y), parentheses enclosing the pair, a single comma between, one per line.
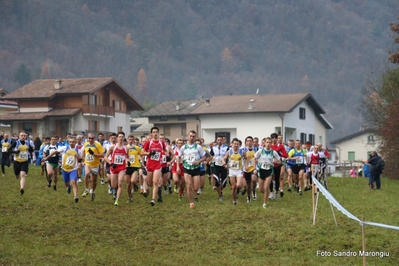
(46,227)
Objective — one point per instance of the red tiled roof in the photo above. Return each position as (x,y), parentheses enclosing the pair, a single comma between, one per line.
(38,115)
(8,102)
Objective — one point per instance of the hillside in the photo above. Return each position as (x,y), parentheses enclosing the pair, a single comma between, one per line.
(191,48)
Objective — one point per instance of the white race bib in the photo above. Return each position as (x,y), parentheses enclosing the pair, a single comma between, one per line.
(299,160)
(132,159)
(23,155)
(70,161)
(163,158)
(89,158)
(265,166)
(234,165)
(219,162)
(190,158)
(4,149)
(156,156)
(119,159)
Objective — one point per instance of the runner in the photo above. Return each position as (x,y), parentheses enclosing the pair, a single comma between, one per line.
(118,162)
(219,171)
(266,159)
(70,157)
(5,156)
(298,156)
(92,152)
(133,165)
(153,150)
(278,171)
(21,149)
(234,158)
(250,175)
(193,155)
(52,160)
(178,178)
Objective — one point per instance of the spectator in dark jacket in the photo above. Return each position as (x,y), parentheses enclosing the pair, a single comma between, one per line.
(375,173)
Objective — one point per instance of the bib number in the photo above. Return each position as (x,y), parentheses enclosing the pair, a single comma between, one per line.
(218,162)
(155,157)
(265,166)
(119,159)
(132,159)
(70,161)
(23,156)
(4,149)
(234,165)
(299,160)
(89,158)
(163,160)
(190,159)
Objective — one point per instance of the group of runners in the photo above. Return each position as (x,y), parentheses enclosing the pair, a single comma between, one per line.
(157,166)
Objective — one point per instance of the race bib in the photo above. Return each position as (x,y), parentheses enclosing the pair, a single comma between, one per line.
(156,156)
(234,165)
(299,160)
(23,155)
(219,162)
(119,159)
(70,161)
(265,166)
(250,163)
(190,158)
(4,149)
(89,158)
(132,159)
(163,160)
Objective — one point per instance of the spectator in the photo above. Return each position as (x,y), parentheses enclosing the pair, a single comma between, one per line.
(375,172)
(38,143)
(353,172)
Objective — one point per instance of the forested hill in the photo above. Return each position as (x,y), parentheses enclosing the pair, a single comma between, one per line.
(180,49)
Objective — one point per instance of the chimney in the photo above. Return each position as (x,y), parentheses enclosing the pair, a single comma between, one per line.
(57,84)
(208,102)
(177,106)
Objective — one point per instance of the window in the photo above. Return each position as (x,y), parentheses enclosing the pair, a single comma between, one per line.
(226,134)
(181,118)
(351,155)
(117,105)
(370,138)
(183,130)
(93,126)
(303,138)
(163,118)
(93,100)
(320,139)
(302,113)
(28,127)
(120,129)
(166,130)
(311,139)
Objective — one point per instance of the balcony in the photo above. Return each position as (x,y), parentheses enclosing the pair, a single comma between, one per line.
(95,110)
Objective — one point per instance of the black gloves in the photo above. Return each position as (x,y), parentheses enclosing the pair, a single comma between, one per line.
(113,166)
(168,158)
(152,153)
(91,152)
(128,163)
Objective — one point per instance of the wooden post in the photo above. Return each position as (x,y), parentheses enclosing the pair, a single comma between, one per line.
(364,242)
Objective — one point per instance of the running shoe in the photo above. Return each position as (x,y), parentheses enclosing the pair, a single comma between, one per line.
(254,197)
(79,180)
(271,195)
(175,190)
(85,193)
(300,192)
(248,199)
(281,193)
(49,184)
(22,191)
(69,190)
(234,202)
(243,192)
(55,187)
(264,205)
(102,181)
(76,199)
(196,199)
(170,190)
(192,205)
(152,202)
(160,200)
(221,198)
(289,189)
(93,196)
(145,194)
(116,203)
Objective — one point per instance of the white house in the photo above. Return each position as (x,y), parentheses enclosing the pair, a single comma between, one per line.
(357,146)
(295,116)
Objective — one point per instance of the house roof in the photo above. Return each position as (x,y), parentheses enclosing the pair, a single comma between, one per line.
(44,89)
(38,115)
(8,103)
(260,103)
(174,108)
(354,135)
